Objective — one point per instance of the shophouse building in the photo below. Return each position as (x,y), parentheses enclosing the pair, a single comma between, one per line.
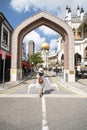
(6,31)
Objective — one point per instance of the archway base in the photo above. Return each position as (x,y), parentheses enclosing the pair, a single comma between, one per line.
(16,74)
(69,75)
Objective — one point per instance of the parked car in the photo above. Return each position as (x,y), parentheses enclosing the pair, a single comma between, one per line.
(55,69)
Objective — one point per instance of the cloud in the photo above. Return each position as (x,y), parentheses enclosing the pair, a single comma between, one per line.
(55,7)
(47,31)
(33,35)
(20,5)
(53,44)
(25,5)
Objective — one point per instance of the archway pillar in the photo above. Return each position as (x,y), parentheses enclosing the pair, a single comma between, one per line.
(69,75)
(69,71)
(16,74)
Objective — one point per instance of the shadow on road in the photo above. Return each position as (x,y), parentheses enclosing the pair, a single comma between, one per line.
(49,91)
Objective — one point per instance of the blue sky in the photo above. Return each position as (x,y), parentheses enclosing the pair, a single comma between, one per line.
(16,11)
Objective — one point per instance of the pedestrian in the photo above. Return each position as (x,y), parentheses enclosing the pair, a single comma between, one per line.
(40,81)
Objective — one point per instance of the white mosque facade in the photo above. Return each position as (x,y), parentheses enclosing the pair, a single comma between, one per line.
(78,23)
(45,54)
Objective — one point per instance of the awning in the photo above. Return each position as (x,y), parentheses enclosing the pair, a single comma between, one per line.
(25,64)
(8,56)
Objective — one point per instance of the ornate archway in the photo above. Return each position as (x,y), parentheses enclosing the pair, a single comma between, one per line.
(57,25)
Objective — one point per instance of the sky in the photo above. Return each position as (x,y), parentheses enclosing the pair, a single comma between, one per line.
(16,11)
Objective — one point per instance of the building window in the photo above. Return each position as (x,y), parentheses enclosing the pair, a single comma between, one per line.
(85,31)
(74,31)
(86,53)
(5,36)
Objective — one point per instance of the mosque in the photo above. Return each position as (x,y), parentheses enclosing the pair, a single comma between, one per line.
(48,56)
(78,23)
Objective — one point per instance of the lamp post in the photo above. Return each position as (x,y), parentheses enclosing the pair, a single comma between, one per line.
(57,59)
(57,64)
(32,66)
(46,59)
(3,58)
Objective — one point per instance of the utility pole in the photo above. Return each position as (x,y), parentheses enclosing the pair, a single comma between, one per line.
(3,58)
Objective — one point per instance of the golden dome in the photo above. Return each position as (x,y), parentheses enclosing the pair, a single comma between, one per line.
(45,46)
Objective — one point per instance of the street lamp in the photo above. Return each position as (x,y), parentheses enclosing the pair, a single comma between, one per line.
(57,59)
(57,64)
(46,59)
(3,57)
(32,66)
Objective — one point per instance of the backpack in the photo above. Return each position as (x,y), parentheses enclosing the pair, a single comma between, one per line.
(40,80)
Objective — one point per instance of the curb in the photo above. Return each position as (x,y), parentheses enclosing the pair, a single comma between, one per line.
(72,88)
(8,85)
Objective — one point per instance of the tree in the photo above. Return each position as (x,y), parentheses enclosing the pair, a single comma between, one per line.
(36,58)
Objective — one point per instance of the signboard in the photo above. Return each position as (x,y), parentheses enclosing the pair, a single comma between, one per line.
(13,71)
(71,72)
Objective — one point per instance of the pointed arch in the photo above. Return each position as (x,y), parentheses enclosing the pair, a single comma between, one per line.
(30,24)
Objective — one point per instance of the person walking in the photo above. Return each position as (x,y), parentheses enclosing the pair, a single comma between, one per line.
(40,81)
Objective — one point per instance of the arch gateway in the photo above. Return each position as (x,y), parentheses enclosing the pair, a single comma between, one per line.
(57,25)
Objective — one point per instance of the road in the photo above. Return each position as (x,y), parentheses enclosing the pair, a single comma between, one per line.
(21,108)
(30,87)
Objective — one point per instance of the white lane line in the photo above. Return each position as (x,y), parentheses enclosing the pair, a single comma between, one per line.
(57,88)
(44,120)
(31,86)
(48,80)
(53,85)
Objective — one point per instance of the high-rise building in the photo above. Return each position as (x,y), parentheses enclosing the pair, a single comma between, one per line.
(23,51)
(31,47)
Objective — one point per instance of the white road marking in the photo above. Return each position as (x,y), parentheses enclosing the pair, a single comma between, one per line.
(44,121)
(45,96)
(31,86)
(48,80)
(53,85)
(57,88)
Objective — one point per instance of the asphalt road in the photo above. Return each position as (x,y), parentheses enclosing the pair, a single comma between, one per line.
(46,113)
(21,108)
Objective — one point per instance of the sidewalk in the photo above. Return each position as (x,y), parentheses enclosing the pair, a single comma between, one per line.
(79,87)
(14,83)
(9,84)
